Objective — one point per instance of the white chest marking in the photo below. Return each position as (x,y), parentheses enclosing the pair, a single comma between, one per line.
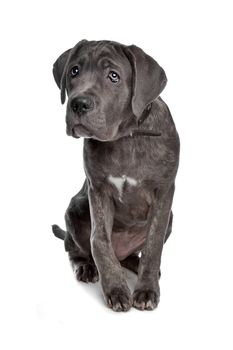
(131,181)
(118,182)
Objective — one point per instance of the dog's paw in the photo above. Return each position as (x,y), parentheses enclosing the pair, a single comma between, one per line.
(86,273)
(145,299)
(119,299)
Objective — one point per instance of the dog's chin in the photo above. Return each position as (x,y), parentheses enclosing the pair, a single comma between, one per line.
(80,130)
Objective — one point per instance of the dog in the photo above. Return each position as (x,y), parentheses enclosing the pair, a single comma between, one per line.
(122,215)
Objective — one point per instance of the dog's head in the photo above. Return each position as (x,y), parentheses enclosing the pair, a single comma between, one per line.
(109,86)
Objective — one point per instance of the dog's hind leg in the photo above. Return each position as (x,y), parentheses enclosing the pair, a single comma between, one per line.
(84,268)
(77,237)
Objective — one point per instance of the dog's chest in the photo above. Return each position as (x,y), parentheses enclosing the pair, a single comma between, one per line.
(127,171)
(122,184)
(129,168)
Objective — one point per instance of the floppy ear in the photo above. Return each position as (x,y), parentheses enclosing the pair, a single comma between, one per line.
(60,68)
(149,79)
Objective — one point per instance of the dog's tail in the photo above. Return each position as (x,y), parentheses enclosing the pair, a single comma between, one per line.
(58,232)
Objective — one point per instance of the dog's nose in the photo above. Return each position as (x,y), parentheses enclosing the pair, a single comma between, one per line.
(81,104)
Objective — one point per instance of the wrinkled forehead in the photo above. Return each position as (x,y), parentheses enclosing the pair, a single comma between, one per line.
(102,54)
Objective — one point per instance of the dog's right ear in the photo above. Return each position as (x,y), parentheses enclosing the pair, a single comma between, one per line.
(58,72)
(59,66)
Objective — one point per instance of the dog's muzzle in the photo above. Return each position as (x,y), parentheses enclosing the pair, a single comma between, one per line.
(79,106)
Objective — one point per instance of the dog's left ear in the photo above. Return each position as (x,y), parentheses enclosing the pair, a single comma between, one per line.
(149,79)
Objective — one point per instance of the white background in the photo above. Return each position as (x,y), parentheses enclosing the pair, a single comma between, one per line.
(43,307)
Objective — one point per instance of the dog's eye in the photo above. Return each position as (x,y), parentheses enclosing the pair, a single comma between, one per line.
(74,71)
(114,77)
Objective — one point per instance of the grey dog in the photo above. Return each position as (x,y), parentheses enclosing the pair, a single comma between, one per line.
(122,215)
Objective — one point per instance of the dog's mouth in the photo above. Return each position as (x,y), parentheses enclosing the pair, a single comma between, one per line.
(80,130)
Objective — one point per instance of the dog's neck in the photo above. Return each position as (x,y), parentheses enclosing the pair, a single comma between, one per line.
(134,127)
(144,116)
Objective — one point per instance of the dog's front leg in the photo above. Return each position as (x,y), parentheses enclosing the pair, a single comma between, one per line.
(116,292)
(147,291)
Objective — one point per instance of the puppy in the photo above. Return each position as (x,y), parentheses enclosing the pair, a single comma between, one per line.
(131,156)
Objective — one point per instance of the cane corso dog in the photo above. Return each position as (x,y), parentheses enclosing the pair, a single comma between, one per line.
(122,215)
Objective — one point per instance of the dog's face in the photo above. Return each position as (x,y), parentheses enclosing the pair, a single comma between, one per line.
(108,86)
